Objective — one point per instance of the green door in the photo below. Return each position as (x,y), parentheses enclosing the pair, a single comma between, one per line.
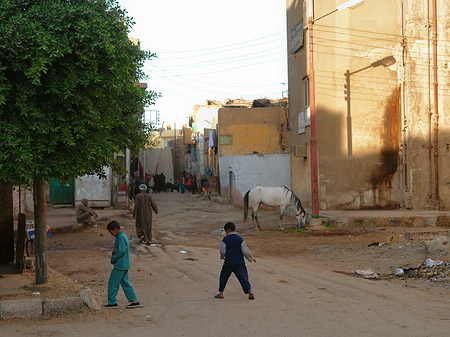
(61,193)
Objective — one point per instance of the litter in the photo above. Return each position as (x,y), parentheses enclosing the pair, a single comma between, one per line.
(182,252)
(156,245)
(37,293)
(399,272)
(431,263)
(369,274)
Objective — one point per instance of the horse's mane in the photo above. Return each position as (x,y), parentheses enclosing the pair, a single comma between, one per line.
(296,201)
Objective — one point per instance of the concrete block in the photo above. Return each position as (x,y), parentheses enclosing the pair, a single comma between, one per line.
(395,222)
(370,222)
(432,221)
(27,308)
(443,221)
(91,299)
(316,224)
(56,306)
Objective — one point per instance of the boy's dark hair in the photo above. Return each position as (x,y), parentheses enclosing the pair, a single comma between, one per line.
(230,226)
(113,225)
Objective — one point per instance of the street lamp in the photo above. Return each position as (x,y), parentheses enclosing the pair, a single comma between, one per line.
(385,62)
(312,104)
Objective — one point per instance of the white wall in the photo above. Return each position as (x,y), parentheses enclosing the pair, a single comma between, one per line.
(249,171)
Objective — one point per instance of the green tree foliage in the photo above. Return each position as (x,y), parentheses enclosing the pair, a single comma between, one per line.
(68,94)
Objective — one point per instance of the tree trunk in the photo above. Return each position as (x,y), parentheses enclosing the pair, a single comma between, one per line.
(40,224)
(6,224)
(20,243)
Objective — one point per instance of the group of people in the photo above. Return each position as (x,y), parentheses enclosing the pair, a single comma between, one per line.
(233,250)
(188,181)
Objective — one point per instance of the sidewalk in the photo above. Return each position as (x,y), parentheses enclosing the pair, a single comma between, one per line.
(61,218)
(20,297)
(385,218)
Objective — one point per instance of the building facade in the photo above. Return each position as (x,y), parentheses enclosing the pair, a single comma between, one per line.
(253,150)
(379,82)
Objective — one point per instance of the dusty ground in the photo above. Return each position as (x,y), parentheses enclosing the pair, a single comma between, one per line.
(304,282)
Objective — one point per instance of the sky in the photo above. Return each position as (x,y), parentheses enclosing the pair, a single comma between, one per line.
(209,49)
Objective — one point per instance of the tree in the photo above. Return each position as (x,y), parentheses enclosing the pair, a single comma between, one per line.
(68,94)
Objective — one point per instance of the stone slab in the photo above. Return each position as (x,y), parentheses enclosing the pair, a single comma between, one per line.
(27,308)
(55,306)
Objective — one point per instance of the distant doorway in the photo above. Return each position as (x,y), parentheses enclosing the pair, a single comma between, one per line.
(61,192)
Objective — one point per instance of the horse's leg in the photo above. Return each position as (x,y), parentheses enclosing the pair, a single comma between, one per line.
(281,218)
(256,218)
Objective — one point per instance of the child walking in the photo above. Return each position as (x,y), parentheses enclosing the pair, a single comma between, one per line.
(233,249)
(119,275)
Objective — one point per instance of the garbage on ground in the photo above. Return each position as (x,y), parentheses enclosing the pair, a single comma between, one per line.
(399,272)
(369,274)
(182,252)
(435,271)
(156,245)
(380,244)
(430,263)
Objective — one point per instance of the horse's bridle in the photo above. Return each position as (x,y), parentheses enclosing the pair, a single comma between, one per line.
(299,213)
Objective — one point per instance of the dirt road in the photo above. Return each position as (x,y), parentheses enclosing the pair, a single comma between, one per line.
(304,282)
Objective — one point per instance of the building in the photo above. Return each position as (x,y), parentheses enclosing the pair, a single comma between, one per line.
(253,150)
(376,94)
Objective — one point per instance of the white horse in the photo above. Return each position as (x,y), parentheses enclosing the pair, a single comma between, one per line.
(272,196)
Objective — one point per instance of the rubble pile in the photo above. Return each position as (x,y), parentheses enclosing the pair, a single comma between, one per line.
(435,271)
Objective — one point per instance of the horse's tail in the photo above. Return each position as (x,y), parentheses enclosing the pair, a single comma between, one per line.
(246,205)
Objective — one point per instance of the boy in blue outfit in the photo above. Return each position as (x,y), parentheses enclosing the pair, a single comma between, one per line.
(119,275)
(233,249)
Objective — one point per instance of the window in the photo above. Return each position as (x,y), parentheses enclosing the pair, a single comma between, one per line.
(307,111)
(306,91)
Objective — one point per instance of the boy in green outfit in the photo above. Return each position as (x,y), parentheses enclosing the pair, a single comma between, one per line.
(119,275)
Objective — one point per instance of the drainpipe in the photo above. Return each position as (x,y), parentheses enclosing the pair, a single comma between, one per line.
(312,107)
(436,107)
(430,113)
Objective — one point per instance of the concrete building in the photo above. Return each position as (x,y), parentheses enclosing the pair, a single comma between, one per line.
(376,93)
(253,150)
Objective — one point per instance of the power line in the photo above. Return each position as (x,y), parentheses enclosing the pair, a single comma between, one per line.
(225,46)
(223,51)
(234,68)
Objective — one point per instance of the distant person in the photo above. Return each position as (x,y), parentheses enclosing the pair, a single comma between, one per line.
(84,214)
(182,180)
(132,188)
(189,183)
(232,250)
(119,275)
(142,211)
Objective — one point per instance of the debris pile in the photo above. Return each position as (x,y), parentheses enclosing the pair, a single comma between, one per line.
(435,271)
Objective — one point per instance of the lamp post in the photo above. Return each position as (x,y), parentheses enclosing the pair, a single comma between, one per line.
(385,62)
(312,104)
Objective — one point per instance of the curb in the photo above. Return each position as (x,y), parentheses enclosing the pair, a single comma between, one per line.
(36,307)
(75,227)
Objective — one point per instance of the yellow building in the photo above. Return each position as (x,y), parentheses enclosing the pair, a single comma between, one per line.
(376,93)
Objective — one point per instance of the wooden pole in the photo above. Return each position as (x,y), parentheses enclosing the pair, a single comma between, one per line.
(20,243)
(40,223)
(6,224)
